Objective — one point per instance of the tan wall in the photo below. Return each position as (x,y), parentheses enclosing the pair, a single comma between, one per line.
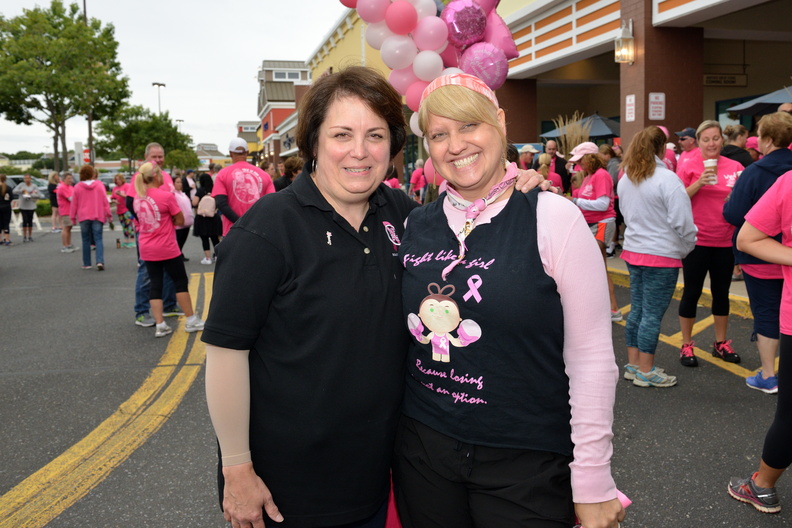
(349,50)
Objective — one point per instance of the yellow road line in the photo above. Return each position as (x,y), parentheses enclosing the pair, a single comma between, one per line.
(57,486)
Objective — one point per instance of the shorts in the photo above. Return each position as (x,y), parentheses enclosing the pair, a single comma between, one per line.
(765,298)
(603,231)
(66,221)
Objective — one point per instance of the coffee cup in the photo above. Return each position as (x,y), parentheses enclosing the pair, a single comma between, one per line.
(711,164)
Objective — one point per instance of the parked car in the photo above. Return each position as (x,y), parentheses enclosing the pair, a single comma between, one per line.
(15,179)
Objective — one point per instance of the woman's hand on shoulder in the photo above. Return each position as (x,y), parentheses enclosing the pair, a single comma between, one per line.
(528,179)
(245,496)
(606,514)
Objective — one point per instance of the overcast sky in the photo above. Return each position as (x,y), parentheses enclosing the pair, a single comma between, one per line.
(206,52)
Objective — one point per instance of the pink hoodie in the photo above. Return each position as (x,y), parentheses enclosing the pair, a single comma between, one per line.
(89,202)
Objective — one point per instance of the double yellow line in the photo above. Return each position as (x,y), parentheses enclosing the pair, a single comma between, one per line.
(60,484)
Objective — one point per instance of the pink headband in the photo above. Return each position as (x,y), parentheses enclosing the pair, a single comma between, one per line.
(461,79)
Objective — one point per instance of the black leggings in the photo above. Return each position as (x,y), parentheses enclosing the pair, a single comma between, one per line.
(776,452)
(181,236)
(5,219)
(205,241)
(174,267)
(27,217)
(719,262)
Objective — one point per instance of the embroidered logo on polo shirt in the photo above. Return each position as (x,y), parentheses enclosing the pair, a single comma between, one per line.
(392,236)
(329,238)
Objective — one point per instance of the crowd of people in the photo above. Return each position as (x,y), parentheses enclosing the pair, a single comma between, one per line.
(333,279)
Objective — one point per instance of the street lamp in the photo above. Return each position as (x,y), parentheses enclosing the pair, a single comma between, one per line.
(178,124)
(159,102)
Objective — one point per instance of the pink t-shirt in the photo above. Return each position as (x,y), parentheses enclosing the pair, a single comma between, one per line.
(555,178)
(167,184)
(771,215)
(157,237)
(120,199)
(393,183)
(707,203)
(670,160)
(64,193)
(650,261)
(185,206)
(243,184)
(763,271)
(593,186)
(684,157)
(417,180)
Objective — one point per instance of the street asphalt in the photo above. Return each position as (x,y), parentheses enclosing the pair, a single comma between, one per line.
(93,403)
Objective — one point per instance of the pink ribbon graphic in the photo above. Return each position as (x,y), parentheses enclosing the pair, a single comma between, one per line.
(473,282)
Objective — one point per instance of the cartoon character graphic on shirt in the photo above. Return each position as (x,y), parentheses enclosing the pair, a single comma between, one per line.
(148,214)
(440,314)
(246,186)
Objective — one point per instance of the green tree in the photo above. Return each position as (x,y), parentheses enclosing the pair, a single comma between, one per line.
(182,159)
(54,66)
(134,127)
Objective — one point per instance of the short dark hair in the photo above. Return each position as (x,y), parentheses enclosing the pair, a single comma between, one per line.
(293,164)
(366,84)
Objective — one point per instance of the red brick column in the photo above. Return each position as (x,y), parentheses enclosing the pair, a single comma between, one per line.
(667,60)
(518,98)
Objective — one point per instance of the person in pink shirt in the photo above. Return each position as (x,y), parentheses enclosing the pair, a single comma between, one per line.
(669,156)
(240,185)
(417,182)
(708,190)
(687,145)
(157,212)
(771,216)
(544,170)
(65,191)
(595,198)
(91,209)
(118,196)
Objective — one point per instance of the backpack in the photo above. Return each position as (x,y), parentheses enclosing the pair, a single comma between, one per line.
(207,206)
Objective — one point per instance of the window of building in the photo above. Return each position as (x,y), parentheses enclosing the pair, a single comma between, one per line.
(286,76)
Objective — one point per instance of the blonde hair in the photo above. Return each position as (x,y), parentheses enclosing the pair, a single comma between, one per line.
(732,132)
(706,125)
(461,104)
(544,164)
(778,127)
(147,173)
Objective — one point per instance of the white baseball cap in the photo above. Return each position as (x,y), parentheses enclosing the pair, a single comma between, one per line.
(238,146)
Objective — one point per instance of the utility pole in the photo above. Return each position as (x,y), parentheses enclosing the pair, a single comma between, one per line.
(90,110)
(159,103)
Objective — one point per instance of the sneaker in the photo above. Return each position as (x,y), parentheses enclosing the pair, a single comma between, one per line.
(686,355)
(724,350)
(100,266)
(172,312)
(763,499)
(766,385)
(72,249)
(196,325)
(654,378)
(65,250)
(630,370)
(163,330)
(616,316)
(87,267)
(145,320)
(206,261)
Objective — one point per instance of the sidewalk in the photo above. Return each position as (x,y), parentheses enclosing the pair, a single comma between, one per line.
(617,269)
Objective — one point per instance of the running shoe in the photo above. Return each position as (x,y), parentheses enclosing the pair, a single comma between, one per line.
(686,355)
(616,316)
(654,378)
(766,385)
(630,370)
(763,499)
(100,266)
(196,325)
(724,350)
(172,312)
(163,330)
(87,267)
(206,261)
(145,320)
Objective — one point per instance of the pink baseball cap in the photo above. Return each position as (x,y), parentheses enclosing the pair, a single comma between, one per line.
(461,79)
(752,142)
(581,150)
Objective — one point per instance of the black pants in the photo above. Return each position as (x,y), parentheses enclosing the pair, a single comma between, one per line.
(27,217)
(776,452)
(181,236)
(205,241)
(719,262)
(441,482)
(5,219)
(157,269)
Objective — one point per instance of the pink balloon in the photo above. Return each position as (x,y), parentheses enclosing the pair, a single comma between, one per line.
(401,17)
(377,33)
(488,6)
(486,62)
(450,56)
(402,79)
(466,22)
(428,65)
(430,33)
(414,93)
(349,3)
(398,52)
(372,11)
(497,33)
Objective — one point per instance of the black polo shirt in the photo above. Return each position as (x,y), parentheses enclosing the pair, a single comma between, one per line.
(319,306)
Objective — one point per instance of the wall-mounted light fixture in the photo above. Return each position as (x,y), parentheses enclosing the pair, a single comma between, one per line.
(625,44)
